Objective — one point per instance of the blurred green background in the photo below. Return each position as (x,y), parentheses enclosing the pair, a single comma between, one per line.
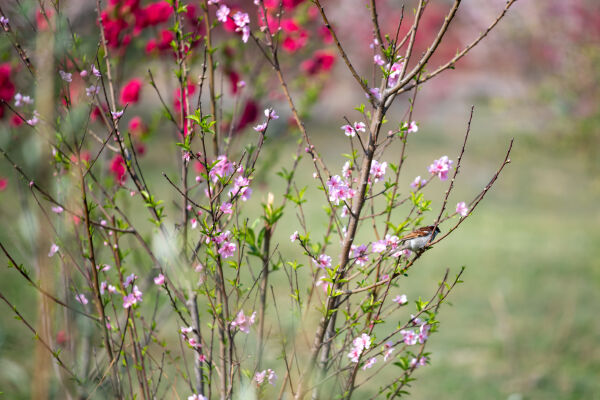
(524,325)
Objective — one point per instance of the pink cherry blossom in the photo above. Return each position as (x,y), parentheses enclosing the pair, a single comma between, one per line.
(377,59)
(441,167)
(226,208)
(80,298)
(259,377)
(261,127)
(241,187)
(418,182)
(159,280)
(129,280)
(354,354)
(379,246)
(389,349)
(420,362)
(411,127)
(53,249)
(197,397)
(65,76)
(322,283)
(370,362)
(409,336)
(227,249)
(400,299)
(360,126)
(360,254)
(222,13)
(348,130)
(375,93)
(294,236)
(221,169)
(462,209)
(363,342)
(324,261)
(378,170)
(242,322)
(270,113)
(186,330)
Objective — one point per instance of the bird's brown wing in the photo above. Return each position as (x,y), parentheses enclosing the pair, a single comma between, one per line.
(424,231)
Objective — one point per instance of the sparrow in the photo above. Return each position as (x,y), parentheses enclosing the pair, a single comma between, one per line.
(417,239)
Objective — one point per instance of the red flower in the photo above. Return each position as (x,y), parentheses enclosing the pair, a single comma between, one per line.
(131,91)
(136,126)
(291,4)
(325,34)
(3,183)
(117,167)
(234,78)
(40,19)
(249,115)
(321,61)
(157,13)
(84,155)
(199,167)
(7,88)
(16,121)
(191,88)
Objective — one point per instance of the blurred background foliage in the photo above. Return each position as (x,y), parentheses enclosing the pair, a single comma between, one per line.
(524,324)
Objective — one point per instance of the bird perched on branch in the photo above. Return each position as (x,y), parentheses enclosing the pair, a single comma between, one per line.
(418,239)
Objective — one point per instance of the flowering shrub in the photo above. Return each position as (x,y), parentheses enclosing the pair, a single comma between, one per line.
(128,258)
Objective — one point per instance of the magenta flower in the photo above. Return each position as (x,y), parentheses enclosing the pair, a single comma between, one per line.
(80,298)
(441,167)
(324,261)
(159,280)
(244,323)
(462,209)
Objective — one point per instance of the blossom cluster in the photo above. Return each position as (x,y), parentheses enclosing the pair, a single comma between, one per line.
(359,344)
(269,374)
